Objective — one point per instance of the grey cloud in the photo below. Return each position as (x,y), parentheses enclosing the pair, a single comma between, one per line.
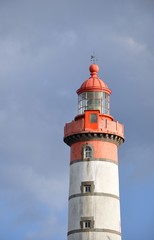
(45,50)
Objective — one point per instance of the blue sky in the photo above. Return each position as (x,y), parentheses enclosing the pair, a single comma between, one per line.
(45,49)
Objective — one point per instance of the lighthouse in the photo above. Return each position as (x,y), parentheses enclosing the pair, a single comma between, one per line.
(94,137)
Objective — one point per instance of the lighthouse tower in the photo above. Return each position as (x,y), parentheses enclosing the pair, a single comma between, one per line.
(94,137)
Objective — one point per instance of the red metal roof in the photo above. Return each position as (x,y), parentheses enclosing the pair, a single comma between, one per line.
(94,83)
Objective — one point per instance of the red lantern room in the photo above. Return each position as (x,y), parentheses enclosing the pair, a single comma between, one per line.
(94,94)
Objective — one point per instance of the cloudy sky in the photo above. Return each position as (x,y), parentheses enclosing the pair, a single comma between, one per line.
(45,49)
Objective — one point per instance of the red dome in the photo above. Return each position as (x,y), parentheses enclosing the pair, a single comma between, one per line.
(94,84)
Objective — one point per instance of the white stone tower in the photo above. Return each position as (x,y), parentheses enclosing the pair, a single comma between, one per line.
(94,137)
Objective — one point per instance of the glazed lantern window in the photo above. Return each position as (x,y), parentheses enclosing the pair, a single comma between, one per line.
(94,101)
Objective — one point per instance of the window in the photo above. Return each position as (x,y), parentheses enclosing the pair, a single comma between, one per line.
(87,223)
(87,152)
(106,103)
(87,187)
(93,118)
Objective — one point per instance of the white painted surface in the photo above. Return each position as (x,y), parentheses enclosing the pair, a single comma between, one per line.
(94,236)
(104,210)
(104,174)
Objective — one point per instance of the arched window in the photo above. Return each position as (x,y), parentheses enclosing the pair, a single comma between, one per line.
(87,152)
